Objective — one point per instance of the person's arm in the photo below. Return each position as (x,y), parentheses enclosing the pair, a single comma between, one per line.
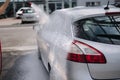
(4,6)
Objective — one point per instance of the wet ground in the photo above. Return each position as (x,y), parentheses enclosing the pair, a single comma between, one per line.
(19,58)
(23,67)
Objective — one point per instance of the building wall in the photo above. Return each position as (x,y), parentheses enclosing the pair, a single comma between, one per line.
(117,0)
(102,2)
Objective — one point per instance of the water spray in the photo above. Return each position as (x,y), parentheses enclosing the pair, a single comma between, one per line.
(43,16)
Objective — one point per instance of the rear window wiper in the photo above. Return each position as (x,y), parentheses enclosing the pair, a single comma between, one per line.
(112,36)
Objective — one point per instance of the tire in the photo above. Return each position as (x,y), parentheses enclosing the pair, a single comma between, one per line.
(39,54)
(49,67)
(23,22)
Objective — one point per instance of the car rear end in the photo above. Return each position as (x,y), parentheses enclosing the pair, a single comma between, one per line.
(95,50)
(29,15)
(19,13)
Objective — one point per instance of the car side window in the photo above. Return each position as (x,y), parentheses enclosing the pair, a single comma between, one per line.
(82,29)
(21,9)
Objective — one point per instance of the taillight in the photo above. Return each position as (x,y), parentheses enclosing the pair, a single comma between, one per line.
(81,52)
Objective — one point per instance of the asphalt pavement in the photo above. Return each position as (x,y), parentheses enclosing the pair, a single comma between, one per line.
(16,36)
(13,22)
(26,67)
(9,22)
(19,52)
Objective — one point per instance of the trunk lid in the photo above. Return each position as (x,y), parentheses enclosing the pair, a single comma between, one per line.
(109,70)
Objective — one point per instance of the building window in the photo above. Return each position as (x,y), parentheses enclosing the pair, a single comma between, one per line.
(92,3)
(58,5)
(74,4)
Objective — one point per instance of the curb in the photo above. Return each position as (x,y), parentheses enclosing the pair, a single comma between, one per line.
(20,48)
(17,25)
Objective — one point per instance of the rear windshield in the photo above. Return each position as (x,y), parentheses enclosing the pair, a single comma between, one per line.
(28,11)
(105,29)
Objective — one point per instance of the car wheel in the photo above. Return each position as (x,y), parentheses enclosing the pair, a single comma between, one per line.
(39,54)
(23,22)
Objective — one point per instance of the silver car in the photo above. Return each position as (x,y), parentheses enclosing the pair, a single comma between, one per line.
(19,13)
(81,43)
(29,15)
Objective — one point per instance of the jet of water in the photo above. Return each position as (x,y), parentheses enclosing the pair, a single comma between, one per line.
(43,17)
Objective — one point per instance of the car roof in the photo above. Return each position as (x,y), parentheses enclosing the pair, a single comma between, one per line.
(84,12)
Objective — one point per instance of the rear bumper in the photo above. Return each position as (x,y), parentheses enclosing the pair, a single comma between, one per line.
(78,71)
(30,20)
